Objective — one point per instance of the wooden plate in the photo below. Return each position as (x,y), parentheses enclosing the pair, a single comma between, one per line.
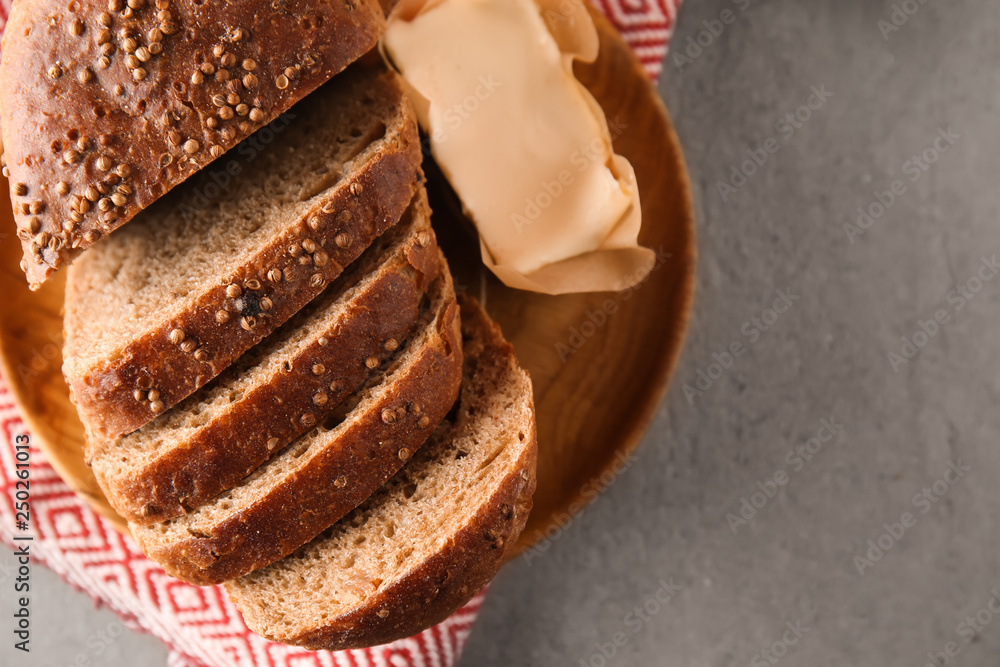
(594,404)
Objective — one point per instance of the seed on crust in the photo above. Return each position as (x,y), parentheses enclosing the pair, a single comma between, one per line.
(104,163)
(105,205)
(295,250)
(200,354)
(222,316)
(250,81)
(139,74)
(424,422)
(318,369)
(34,225)
(308,419)
(226,113)
(234,291)
(118,199)
(340,482)
(154,394)
(157,407)
(383,613)
(391,345)
(20,189)
(71,156)
(336,386)
(320,258)
(281,82)
(228,60)
(266,304)
(104,20)
(86,75)
(222,75)
(189,346)
(143,54)
(177,336)
(372,362)
(388,415)
(274,275)
(343,240)
(249,65)
(55,72)
(76,27)
(323,341)
(272,443)
(248,322)
(317,280)
(191,146)
(129,45)
(139,395)
(321,399)
(156,48)
(357,189)
(242,109)
(404,454)
(92,236)
(216,151)
(218,50)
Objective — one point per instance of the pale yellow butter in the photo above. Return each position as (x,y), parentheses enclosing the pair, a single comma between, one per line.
(523,143)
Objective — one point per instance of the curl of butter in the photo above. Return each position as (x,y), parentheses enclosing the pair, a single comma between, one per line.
(525,146)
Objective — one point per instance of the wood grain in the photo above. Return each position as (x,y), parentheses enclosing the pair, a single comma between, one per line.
(594,403)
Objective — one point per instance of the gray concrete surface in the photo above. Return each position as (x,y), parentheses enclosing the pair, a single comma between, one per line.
(732,590)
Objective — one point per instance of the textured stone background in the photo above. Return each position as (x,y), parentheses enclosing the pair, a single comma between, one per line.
(826,358)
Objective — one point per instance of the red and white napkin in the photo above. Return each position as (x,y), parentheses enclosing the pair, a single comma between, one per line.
(199,625)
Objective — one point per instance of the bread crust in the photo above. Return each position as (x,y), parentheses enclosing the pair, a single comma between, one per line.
(123,100)
(448,579)
(438,587)
(336,481)
(261,423)
(111,396)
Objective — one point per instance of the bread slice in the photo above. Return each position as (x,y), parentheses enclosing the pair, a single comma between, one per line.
(107,105)
(329,471)
(423,545)
(279,389)
(167,303)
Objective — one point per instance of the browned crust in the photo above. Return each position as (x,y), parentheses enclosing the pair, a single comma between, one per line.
(442,584)
(362,459)
(264,421)
(375,196)
(451,577)
(64,121)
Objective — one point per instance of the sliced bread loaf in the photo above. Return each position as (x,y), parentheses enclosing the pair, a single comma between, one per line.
(278,389)
(107,105)
(165,304)
(431,538)
(327,472)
